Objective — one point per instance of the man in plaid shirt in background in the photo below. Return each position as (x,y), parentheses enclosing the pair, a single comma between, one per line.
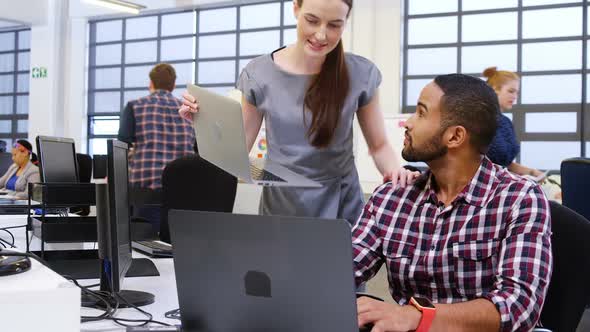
(157,133)
(467,235)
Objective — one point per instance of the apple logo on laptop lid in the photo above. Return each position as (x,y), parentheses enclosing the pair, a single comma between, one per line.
(257,284)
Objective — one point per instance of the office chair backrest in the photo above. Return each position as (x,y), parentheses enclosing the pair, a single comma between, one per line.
(84,167)
(569,289)
(99,166)
(192,183)
(575,185)
(84,174)
(5,161)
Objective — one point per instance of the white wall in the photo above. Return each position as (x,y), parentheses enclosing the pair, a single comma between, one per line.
(57,103)
(46,115)
(76,82)
(376,35)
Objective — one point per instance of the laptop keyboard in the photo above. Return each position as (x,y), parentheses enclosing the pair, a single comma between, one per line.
(156,248)
(263,175)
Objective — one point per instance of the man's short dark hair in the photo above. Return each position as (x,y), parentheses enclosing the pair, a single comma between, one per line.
(471,103)
(163,76)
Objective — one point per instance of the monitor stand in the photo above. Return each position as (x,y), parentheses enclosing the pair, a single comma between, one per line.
(121,298)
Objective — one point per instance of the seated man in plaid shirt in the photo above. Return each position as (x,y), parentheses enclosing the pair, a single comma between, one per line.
(468,235)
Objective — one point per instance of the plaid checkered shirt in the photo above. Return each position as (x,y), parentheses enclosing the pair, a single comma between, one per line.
(161,136)
(492,242)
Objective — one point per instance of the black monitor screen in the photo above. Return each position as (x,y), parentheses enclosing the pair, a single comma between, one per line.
(117,175)
(57,159)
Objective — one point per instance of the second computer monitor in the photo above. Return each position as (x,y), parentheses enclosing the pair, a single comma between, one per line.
(120,235)
(115,240)
(57,159)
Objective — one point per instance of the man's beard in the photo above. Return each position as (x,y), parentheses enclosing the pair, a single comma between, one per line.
(433,149)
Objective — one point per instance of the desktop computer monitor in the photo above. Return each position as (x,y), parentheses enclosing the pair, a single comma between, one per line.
(112,216)
(57,159)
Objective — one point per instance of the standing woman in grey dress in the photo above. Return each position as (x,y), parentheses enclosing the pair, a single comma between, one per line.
(308,94)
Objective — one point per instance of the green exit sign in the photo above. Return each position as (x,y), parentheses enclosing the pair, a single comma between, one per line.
(39,72)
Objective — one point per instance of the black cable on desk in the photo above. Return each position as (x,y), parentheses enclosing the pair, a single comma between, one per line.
(98,295)
(12,227)
(4,243)
(11,236)
(116,297)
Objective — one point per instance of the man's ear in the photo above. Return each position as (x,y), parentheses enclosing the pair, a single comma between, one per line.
(455,136)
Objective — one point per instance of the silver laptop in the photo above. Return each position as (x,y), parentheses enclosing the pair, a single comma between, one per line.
(221,140)
(252,273)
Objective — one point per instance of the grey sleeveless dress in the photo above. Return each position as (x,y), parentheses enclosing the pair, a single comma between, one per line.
(278,96)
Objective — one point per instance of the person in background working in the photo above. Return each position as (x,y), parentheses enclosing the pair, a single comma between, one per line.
(504,146)
(157,135)
(308,94)
(24,170)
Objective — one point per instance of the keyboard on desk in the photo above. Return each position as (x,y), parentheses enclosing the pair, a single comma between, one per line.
(263,175)
(153,248)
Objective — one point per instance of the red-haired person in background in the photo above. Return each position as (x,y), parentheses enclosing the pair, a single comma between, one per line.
(505,147)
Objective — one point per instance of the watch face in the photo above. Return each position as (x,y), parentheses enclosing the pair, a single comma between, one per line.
(423,302)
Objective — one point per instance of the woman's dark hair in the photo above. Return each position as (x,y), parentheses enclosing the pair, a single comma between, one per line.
(29,147)
(327,93)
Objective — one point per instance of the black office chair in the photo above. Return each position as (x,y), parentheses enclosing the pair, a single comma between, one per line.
(5,161)
(99,166)
(84,167)
(192,183)
(575,185)
(569,289)
(84,174)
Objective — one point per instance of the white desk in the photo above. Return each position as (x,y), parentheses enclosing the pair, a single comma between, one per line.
(39,300)
(163,287)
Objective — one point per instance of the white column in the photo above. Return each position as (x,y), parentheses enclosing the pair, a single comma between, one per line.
(376,34)
(46,115)
(57,103)
(76,82)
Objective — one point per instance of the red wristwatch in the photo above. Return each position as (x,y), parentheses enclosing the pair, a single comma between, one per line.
(427,309)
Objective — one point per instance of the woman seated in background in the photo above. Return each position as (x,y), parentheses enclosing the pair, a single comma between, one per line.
(24,170)
(504,146)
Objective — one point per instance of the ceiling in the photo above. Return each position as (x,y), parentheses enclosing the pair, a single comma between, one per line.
(36,12)
(9,24)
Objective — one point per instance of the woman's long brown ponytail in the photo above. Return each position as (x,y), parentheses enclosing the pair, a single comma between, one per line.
(326,95)
(325,98)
